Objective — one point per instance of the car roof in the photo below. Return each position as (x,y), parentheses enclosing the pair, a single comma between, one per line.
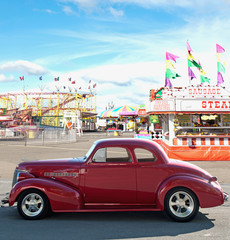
(123,142)
(127,141)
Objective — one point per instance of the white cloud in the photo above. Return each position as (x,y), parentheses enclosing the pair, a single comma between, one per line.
(49,11)
(116,13)
(24,67)
(205,4)
(45,10)
(4,78)
(149,3)
(84,4)
(120,83)
(68,10)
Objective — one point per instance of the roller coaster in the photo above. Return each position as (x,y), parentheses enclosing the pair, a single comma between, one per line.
(48,107)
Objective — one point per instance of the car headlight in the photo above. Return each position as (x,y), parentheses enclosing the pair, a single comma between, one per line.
(16,175)
(213,181)
(214,184)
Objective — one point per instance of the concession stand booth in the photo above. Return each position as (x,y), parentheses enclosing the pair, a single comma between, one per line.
(195,121)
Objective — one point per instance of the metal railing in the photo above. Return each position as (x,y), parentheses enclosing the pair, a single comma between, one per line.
(39,136)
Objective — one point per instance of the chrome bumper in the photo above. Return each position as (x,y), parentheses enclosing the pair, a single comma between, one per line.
(5,200)
(226,196)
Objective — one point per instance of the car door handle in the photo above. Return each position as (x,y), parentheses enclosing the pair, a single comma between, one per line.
(83,171)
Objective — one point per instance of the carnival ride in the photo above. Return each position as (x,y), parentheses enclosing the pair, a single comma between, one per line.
(47,107)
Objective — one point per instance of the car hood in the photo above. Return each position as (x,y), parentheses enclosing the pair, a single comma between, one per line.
(50,164)
(189,168)
(64,170)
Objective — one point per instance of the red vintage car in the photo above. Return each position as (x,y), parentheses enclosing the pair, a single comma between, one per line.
(115,175)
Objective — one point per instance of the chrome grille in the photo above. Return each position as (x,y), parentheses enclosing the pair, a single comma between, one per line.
(15,177)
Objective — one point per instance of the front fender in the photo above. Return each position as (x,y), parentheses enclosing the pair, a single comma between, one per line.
(207,194)
(62,197)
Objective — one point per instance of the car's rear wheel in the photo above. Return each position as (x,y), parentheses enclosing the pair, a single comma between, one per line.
(33,204)
(181,204)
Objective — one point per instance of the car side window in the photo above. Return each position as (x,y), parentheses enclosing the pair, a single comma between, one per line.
(100,155)
(112,155)
(118,154)
(143,155)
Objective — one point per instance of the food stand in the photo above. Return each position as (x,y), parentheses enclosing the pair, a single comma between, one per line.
(196,121)
(150,127)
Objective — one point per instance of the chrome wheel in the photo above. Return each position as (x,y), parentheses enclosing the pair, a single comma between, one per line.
(181,204)
(32,204)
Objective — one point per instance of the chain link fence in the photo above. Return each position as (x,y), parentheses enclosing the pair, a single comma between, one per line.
(38,137)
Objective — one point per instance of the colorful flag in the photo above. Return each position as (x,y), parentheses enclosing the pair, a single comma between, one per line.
(196,64)
(190,56)
(69,79)
(73,82)
(169,73)
(89,81)
(40,78)
(94,85)
(220,65)
(169,64)
(220,79)
(170,56)
(219,49)
(193,64)
(188,47)
(204,79)
(168,82)
(79,88)
(219,57)
(22,78)
(191,73)
(56,79)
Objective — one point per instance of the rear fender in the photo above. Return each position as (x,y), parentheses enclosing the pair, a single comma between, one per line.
(207,195)
(61,197)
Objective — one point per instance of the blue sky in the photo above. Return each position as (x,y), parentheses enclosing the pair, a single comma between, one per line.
(118,44)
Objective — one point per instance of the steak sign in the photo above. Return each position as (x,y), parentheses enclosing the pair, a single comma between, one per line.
(202,105)
(216,104)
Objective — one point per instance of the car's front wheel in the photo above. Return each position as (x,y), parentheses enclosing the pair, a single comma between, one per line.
(181,204)
(33,204)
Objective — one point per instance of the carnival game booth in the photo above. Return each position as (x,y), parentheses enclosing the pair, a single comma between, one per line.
(120,119)
(195,122)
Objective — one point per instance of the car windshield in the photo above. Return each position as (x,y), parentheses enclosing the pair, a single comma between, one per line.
(90,151)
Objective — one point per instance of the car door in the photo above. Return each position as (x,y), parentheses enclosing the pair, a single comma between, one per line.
(150,173)
(110,177)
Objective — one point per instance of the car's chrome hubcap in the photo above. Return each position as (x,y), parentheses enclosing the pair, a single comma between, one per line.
(32,204)
(181,204)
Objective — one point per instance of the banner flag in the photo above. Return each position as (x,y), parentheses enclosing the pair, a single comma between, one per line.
(170,56)
(220,64)
(204,79)
(219,49)
(194,64)
(168,82)
(188,47)
(191,73)
(169,73)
